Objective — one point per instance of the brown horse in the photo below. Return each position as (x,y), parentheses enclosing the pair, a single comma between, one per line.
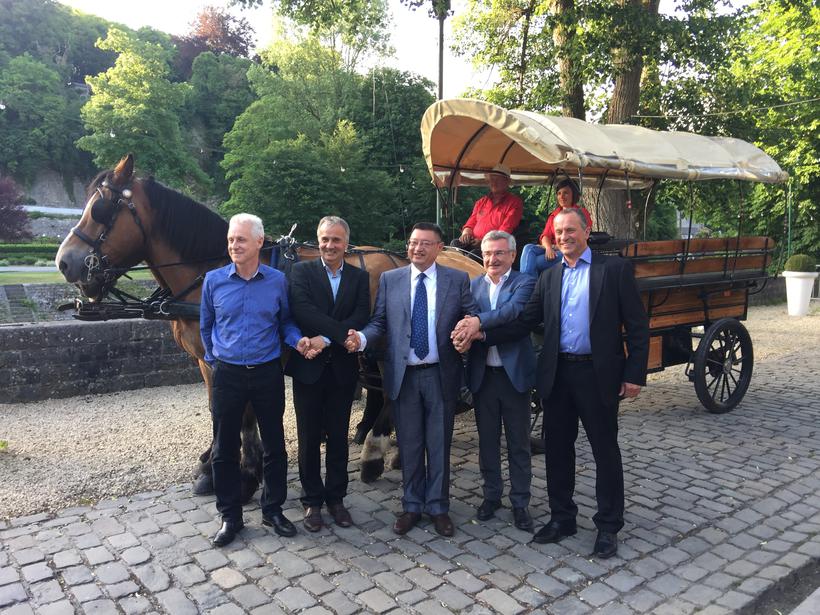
(129,220)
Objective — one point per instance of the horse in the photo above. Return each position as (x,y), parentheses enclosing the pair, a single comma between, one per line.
(128,220)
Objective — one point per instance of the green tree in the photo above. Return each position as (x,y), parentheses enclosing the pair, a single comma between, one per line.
(219,93)
(596,60)
(33,125)
(315,142)
(135,108)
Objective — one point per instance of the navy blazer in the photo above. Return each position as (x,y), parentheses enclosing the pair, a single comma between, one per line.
(391,320)
(615,308)
(518,356)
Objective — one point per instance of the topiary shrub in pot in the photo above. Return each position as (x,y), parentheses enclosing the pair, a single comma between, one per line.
(800,273)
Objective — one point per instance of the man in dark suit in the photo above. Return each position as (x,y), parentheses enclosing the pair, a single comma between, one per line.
(583,372)
(501,378)
(328,297)
(416,309)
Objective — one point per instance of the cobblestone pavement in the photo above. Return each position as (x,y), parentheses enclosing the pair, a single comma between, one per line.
(720,509)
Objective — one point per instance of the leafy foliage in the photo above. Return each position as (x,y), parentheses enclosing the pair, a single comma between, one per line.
(135,108)
(316,142)
(34,126)
(801,262)
(13,218)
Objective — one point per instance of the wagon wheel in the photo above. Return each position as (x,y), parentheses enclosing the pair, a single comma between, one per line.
(723,365)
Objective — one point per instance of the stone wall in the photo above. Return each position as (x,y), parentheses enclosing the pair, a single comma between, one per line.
(63,359)
(774,292)
(48,188)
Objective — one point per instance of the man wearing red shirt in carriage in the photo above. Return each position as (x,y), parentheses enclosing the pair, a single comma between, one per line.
(500,210)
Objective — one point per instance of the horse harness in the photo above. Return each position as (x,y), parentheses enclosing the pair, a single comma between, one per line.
(104,211)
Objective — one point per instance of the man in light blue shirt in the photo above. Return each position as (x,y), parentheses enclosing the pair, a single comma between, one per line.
(243,312)
(590,307)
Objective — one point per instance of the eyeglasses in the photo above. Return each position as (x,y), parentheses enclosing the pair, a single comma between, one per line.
(496,253)
(415,243)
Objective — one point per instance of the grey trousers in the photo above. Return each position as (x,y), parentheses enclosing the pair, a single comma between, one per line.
(424,428)
(497,402)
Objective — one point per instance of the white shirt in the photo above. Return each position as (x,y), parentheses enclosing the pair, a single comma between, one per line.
(430,285)
(493,358)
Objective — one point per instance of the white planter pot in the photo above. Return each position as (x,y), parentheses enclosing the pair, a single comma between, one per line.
(798,291)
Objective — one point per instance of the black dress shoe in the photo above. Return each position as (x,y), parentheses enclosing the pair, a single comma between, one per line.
(522,519)
(554,531)
(341,516)
(487,509)
(443,524)
(606,545)
(406,522)
(227,533)
(313,518)
(280,524)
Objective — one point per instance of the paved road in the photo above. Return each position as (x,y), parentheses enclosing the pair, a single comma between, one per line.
(64,211)
(28,268)
(722,510)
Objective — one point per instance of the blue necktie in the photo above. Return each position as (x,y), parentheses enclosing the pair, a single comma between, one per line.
(418,321)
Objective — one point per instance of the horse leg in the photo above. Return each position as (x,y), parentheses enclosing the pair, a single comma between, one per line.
(203,477)
(373,406)
(250,463)
(377,445)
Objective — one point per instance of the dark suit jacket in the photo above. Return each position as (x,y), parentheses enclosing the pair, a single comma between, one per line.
(391,319)
(517,357)
(614,301)
(313,309)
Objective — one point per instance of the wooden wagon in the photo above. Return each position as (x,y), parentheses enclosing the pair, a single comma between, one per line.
(696,291)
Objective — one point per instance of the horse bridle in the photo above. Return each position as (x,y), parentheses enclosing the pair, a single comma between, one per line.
(104,211)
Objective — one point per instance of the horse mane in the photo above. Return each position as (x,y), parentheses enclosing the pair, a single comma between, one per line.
(189,227)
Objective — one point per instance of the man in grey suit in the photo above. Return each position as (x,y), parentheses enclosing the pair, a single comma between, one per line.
(501,378)
(417,307)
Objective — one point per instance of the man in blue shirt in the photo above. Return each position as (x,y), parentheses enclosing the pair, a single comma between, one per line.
(243,312)
(589,306)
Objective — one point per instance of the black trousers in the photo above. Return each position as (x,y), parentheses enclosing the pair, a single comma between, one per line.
(575,396)
(497,402)
(323,408)
(234,386)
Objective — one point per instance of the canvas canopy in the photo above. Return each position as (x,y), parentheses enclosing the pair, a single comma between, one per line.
(462,139)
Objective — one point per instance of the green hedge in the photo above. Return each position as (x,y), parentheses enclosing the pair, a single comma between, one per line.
(8,250)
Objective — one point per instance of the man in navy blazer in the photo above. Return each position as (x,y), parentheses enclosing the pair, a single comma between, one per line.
(416,309)
(501,378)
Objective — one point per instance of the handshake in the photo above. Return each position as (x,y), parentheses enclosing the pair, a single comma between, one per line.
(466,331)
(311,347)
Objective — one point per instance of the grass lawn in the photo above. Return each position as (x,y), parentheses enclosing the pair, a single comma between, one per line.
(49,277)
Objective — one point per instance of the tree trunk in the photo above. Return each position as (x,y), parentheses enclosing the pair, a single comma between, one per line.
(572,90)
(619,216)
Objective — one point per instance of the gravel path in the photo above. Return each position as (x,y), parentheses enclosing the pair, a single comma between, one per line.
(78,450)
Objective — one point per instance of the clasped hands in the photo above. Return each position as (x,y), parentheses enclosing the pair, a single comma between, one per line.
(311,347)
(466,331)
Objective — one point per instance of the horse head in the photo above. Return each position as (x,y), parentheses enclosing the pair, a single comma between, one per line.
(104,244)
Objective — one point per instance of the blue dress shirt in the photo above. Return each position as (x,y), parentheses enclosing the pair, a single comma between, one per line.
(241,320)
(575,306)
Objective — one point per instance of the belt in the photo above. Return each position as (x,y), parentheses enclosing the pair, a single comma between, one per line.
(566,356)
(258,365)
(499,369)
(422,366)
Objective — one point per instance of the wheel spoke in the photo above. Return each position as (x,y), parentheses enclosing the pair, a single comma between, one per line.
(715,381)
(732,376)
(723,387)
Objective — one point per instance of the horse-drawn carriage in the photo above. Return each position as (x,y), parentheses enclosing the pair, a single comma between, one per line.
(686,284)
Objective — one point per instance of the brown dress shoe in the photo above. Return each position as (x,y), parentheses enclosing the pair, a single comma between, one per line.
(443,524)
(341,516)
(405,522)
(313,518)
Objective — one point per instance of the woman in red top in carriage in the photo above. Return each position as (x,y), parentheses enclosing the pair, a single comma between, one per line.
(537,258)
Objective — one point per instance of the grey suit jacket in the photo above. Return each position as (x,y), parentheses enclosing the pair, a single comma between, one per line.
(517,357)
(391,319)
